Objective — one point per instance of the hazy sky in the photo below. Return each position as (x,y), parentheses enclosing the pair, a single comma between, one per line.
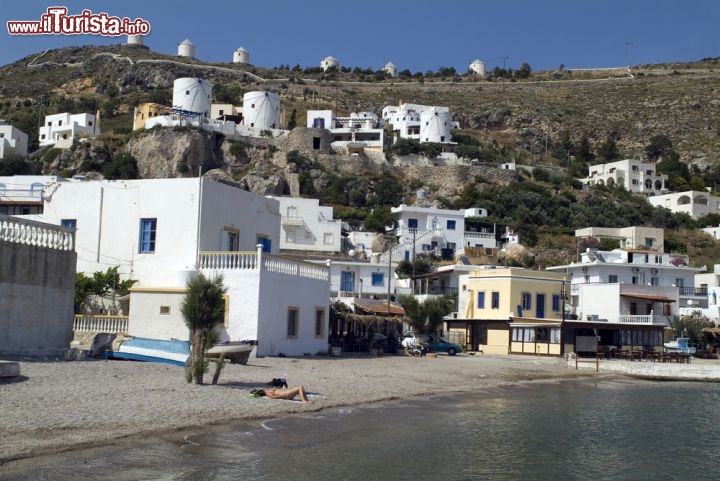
(417,35)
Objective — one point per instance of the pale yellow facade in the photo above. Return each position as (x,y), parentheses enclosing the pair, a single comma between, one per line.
(519,310)
(146,111)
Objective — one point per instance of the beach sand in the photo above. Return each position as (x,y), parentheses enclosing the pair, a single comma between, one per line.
(60,406)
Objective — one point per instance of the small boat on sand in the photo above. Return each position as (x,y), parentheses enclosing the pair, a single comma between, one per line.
(679,345)
(170,351)
(237,352)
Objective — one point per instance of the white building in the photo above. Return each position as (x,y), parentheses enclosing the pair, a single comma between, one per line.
(359,133)
(261,110)
(420,122)
(390,69)
(477,67)
(12,141)
(354,279)
(192,95)
(329,62)
(24,194)
(241,56)
(706,284)
(633,286)
(308,227)
(633,175)
(633,237)
(186,49)
(61,130)
(161,232)
(695,203)
(428,230)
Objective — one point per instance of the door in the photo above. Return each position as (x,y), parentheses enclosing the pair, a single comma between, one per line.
(540,307)
(347,281)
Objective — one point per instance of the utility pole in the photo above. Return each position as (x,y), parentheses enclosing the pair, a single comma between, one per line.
(414,233)
(504,73)
(389,276)
(629,51)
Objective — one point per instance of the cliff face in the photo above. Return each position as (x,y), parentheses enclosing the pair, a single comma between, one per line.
(174,153)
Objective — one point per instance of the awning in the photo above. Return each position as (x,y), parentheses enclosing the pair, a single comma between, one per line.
(648,297)
(714,331)
(379,309)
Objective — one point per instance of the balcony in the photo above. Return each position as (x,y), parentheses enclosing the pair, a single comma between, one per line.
(98,323)
(693,292)
(261,261)
(292,220)
(648,319)
(22,231)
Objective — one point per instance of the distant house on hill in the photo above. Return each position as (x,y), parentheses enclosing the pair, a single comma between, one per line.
(12,141)
(633,175)
(62,129)
(694,203)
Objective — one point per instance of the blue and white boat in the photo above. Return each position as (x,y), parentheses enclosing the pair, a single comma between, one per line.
(171,351)
(679,345)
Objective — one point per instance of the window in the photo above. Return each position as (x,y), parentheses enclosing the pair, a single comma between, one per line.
(556,302)
(654,281)
(68,223)
(378,279)
(613,279)
(481,300)
(635,279)
(451,225)
(265,242)
(328,238)
(148,231)
(165,310)
(412,223)
(526,301)
(495,301)
(319,322)
(316,143)
(681,283)
(292,322)
(233,241)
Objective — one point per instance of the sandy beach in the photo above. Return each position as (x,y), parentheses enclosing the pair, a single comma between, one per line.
(59,406)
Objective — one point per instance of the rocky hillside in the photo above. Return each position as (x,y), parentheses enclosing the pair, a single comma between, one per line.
(522,119)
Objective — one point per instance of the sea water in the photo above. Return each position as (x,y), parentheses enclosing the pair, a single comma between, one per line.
(600,430)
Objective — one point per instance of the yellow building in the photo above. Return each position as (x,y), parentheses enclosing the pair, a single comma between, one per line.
(510,311)
(147,111)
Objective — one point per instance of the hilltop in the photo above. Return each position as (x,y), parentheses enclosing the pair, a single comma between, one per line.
(529,120)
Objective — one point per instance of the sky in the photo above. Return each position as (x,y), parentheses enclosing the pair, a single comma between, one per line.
(418,35)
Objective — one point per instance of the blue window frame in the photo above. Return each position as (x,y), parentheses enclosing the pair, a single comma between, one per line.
(481,300)
(451,225)
(412,223)
(540,305)
(495,300)
(526,301)
(266,243)
(347,281)
(148,231)
(68,223)
(378,279)
(556,302)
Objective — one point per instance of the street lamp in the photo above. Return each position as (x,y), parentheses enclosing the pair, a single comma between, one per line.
(563,293)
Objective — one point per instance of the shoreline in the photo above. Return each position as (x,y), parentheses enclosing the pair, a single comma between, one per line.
(56,407)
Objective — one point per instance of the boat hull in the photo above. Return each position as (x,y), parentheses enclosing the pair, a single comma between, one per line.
(235,352)
(152,350)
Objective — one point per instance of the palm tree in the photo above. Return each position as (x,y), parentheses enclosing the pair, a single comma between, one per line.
(202,308)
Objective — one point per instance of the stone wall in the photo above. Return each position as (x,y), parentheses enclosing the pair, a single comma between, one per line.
(37,292)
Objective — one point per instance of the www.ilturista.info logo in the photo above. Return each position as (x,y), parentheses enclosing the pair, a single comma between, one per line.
(57,22)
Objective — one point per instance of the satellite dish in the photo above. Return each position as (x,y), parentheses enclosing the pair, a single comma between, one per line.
(351,252)
(690,302)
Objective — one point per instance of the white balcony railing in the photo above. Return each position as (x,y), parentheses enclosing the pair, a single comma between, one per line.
(648,319)
(28,232)
(100,323)
(262,261)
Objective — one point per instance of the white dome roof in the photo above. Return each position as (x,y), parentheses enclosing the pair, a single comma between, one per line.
(330,58)
(241,49)
(186,42)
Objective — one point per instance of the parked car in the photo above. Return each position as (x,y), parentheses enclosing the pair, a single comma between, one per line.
(438,344)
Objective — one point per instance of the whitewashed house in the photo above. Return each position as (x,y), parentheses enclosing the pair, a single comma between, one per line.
(695,203)
(12,141)
(707,284)
(420,122)
(628,296)
(162,232)
(633,175)
(24,194)
(359,133)
(62,129)
(307,227)
(429,230)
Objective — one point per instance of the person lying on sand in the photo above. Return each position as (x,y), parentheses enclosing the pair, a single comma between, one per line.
(277,393)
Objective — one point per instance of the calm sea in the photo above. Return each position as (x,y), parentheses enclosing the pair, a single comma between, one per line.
(599,430)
